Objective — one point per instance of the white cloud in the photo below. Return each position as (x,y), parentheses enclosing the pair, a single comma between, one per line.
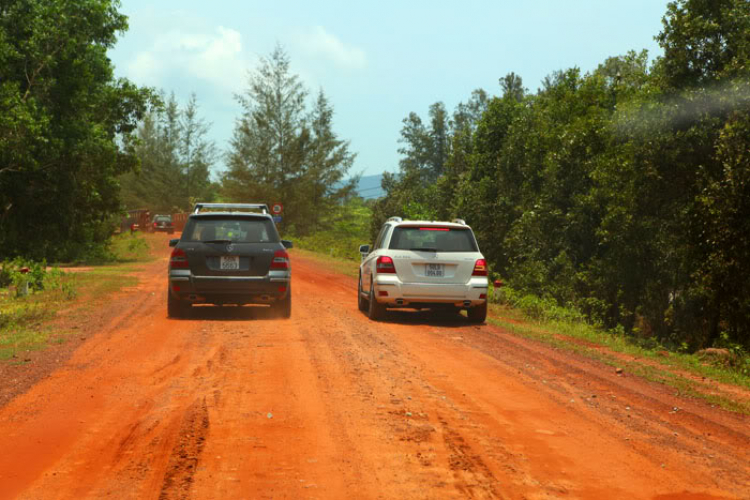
(318,42)
(216,58)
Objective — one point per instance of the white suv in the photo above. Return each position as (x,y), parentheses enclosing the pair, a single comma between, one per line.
(423,265)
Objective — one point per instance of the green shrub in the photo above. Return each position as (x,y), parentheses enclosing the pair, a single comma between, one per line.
(69,290)
(35,277)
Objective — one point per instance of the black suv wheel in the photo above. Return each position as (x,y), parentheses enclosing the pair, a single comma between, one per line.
(283,308)
(177,308)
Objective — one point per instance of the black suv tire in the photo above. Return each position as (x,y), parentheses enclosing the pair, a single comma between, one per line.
(283,308)
(176,308)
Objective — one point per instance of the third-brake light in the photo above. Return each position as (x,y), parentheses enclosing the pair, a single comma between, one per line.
(384,265)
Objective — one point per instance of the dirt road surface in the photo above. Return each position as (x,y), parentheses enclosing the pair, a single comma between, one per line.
(233,403)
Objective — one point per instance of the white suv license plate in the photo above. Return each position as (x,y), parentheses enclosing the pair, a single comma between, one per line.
(231,262)
(434,270)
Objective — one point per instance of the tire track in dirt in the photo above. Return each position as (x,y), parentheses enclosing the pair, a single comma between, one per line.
(658,416)
(183,460)
(412,417)
(232,403)
(525,466)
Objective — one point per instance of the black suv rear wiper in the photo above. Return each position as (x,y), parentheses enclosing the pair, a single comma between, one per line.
(217,241)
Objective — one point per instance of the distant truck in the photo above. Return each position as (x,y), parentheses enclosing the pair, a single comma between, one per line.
(135,220)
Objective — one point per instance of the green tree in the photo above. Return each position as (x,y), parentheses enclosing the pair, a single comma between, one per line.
(267,151)
(282,153)
(328,162)
(197,153)
(512,86)
(63,118)
(705,41)
(175,160)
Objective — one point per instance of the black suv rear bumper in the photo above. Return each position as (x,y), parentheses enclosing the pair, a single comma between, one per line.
(229,289)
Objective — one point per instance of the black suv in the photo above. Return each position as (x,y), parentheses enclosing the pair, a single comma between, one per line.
(162,223)
(229,255)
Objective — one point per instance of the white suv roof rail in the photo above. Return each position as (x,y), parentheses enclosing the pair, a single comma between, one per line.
(232,207)
(395,219)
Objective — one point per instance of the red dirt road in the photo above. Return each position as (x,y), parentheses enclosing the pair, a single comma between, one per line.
(232,403)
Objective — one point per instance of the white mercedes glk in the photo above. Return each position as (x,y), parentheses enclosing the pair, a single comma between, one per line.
(423,265)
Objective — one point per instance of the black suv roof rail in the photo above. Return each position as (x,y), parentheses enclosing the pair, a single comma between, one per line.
(232,207)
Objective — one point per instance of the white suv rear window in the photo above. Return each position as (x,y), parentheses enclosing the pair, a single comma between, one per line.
(433,238)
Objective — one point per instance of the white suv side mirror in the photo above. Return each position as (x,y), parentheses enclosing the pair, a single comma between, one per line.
(363,251)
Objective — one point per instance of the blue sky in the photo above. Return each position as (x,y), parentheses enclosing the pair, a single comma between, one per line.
(376,61)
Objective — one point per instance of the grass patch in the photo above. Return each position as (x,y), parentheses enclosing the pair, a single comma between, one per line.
(568,336)
(334,246)
(136,247)
(21,327)
(347,267)
(26,322)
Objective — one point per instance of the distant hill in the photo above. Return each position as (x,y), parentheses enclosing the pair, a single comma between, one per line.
(369,187)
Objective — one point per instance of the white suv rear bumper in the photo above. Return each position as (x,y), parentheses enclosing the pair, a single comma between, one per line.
(402,294)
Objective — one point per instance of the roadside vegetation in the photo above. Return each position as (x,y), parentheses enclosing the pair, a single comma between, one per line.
(64,125)
(348,227)
(31,300)
(622,194)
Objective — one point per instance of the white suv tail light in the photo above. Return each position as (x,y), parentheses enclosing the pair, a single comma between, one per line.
(384,265)
(480,268)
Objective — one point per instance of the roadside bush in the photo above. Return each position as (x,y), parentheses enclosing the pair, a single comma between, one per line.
(340,234)
(342,247)
(540,309)
(11,273)
(69,290)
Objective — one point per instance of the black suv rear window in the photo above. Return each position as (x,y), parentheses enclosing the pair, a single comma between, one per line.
(234,229)
(433,238)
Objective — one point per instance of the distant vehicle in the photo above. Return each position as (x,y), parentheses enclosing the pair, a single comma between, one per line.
(229,254)
(135,220)
(423,265)
(162,223)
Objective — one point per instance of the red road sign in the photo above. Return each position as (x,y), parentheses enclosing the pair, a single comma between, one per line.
(277,208)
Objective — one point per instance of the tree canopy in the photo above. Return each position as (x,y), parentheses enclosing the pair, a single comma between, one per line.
(64,119)
(284,152)
(176,159)
(622,192)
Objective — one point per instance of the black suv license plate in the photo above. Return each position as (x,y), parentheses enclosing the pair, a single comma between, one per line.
(230,263)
